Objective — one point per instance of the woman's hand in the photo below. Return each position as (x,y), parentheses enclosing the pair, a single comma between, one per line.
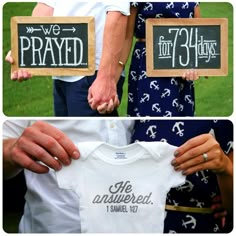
(190,75)
(201,153)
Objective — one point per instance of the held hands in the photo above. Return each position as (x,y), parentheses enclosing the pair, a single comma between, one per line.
(41,146)
(201,153)
(102,96)
(19,75)
(108,107)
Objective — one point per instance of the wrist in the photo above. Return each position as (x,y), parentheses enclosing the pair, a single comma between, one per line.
(10,168)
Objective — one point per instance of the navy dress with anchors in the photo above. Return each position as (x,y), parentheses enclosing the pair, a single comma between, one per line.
(200,188)
(148,96)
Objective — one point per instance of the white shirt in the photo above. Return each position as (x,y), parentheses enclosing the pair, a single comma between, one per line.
(89,8)
(122,189)
(48,208)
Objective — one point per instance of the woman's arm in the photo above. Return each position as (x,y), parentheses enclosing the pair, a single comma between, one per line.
(189,159)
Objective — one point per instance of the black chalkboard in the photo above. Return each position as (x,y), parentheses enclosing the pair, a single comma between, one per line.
(175,45)
(54,45)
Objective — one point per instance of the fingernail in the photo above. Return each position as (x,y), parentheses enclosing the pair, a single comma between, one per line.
(173,162)
(67,162)
(75,155)
(58,167)
(176,153)
(177,168)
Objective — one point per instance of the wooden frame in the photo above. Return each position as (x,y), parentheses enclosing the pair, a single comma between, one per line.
(88,67)
(175,22)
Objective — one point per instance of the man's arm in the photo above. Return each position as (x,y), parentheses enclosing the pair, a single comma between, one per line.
(104,87)
(42,9)
(40,146)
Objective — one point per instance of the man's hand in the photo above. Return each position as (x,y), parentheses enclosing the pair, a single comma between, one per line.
(102,92)
(19,75)
(108,107)
(39,147)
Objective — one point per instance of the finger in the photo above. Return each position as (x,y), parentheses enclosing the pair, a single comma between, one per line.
(26,74)
(34,166)
(184,76)
(218,208)
(14,75)
(191,75)
(193,165)
(219,215)
(116,101)
(57,139)
(44,149)
(20,76)
(94,104)
(192,143)
(188,75)
(199,154)
(27,154)
(9,58)
(90,99)
(102,109)
(195,75)
(110,106)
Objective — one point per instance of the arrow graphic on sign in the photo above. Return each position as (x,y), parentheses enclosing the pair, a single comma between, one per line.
(72,29)
(31,30)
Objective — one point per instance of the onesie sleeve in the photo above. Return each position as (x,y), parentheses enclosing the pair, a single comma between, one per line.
(174,178)
(163,153)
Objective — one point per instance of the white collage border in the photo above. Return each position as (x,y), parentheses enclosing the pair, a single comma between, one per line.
(3,118)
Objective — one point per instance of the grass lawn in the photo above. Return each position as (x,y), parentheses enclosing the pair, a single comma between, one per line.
(214,96)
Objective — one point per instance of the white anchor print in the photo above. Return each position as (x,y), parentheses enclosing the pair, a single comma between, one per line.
(191,222)
(151,131)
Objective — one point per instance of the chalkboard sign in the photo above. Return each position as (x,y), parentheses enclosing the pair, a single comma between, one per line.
(175,45)
(61,46)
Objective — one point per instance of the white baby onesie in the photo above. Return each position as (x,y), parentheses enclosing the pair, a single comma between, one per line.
(121,189)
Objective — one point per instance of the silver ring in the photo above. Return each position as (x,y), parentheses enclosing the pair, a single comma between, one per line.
(205,157)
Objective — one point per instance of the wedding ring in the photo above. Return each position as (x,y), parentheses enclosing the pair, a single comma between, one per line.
(205,157)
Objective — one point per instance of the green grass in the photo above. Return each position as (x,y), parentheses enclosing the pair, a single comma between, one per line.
(29,98)
(214,96)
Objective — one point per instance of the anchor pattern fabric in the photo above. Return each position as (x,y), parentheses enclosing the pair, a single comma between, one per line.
(200,188)
(151,96)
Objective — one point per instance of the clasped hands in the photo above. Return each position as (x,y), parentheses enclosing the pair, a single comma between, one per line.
(102,96)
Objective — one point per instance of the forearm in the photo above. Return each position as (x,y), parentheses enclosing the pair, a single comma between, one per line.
(42,9)
(225,181)
(123,58)
(113,41)
(10,169)
(126,49)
